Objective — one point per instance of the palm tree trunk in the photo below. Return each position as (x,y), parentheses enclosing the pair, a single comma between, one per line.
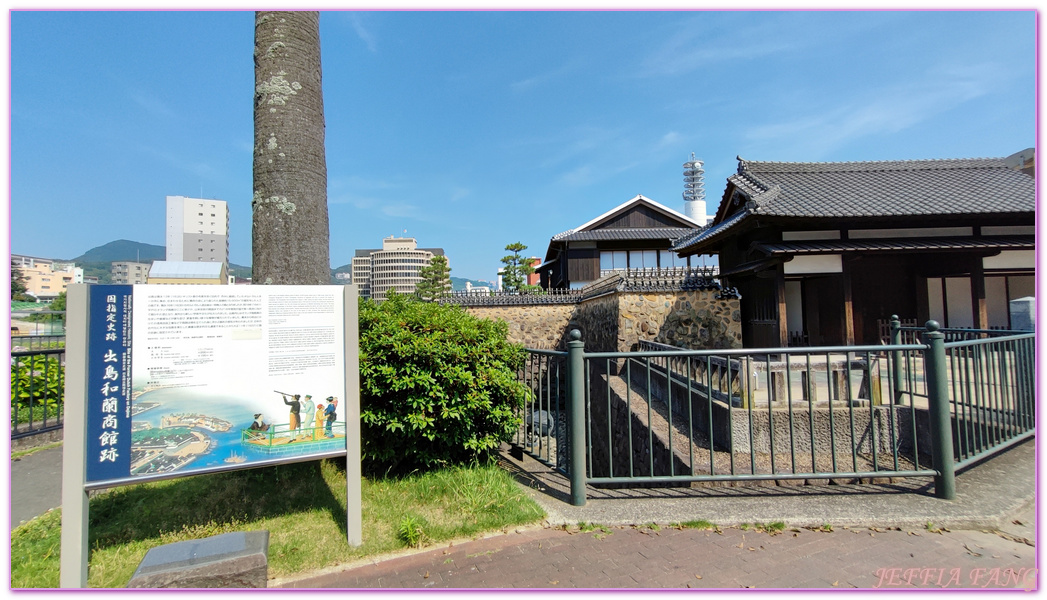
(290,237)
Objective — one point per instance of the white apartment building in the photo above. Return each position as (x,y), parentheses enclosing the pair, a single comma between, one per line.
(197,230)
(394,266)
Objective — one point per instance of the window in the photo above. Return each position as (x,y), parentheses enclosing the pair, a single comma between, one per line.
(668,259)
(611,260)
(643,259)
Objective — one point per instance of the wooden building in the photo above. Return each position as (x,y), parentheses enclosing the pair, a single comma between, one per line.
(821,252)
(635,235)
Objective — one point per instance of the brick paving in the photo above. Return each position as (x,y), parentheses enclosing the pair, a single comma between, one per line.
(640,557)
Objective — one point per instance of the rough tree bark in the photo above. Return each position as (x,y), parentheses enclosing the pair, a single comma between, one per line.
(290,237)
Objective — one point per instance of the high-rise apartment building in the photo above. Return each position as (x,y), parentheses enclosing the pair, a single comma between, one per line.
(394,266)
(197,230)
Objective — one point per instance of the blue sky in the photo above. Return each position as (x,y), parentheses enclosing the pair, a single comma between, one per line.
(473,130)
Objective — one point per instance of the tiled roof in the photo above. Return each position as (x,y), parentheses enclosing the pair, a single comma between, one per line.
(885,188)
(716,230)
(877,189)
(657,233)
(1018,242)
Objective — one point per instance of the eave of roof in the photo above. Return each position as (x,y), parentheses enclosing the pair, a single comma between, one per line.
(1018,242)
(708,236)
(638,199)
(648,233)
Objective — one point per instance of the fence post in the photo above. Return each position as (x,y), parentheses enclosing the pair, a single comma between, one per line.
(896,358)
(576,401)
(940,419)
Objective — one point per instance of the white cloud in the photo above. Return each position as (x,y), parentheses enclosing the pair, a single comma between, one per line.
(887,110)
(401,210)
(670,139)
(531,82)
(151,103)
(365,36)
(696,44)
(582,175)
(459,193)
(360,202)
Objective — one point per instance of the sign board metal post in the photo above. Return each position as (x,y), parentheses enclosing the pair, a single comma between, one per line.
(74,546)
(353,468)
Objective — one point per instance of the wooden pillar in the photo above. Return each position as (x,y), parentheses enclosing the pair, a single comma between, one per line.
(783,326)
(979,306)
(848,304)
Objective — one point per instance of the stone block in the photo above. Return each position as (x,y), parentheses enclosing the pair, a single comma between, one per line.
(229,560)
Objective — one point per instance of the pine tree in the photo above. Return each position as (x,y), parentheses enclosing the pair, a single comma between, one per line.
(18,284)
(516,270)
(436,279)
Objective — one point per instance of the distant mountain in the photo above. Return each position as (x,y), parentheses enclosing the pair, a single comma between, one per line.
(97,261)
(458,283)
(123,250)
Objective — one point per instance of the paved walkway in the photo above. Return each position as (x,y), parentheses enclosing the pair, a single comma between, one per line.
(834,537)
(36,484)
(639,557)
(879,536)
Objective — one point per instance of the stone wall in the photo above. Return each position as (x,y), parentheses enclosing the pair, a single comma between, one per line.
(535,326)
(618,320)
(696,320)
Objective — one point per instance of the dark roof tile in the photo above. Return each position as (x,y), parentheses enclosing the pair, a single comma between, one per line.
(657,233)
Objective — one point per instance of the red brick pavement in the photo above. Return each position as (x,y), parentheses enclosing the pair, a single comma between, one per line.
(636,557)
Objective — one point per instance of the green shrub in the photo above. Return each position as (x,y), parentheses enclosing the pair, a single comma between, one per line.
(36,381)
(437,385)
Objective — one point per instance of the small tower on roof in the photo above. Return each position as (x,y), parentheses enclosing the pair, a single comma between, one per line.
(694,190)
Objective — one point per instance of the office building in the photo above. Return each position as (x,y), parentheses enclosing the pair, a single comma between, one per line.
(197,230)
(394,266)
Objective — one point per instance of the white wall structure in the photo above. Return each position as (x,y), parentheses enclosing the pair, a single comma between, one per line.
(197,230)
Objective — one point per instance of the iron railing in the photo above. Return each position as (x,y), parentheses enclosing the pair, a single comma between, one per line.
(667,416)
(37,391)
(45,330)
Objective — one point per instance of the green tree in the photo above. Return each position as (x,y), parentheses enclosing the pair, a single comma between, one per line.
(18,286)
(290,234)
(436,279)
(516,269)
(438,386)
(58,304)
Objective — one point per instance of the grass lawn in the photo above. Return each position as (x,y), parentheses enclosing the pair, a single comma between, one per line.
(303,506)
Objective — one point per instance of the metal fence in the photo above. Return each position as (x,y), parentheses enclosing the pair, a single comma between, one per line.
(37,330)
(665,416)
(37,391)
